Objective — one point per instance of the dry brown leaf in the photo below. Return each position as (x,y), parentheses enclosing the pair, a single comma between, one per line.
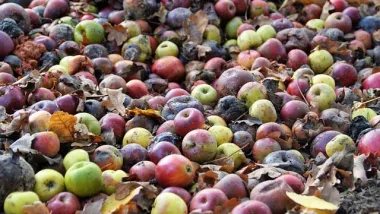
(161,14)
(227,206)
(125,189)
(112,205)
(116,33)
(326,10)
(36,208)
(359,171)
(207,180)
(18,124)
(150,113)
(94,205)
(195,25)
(115,100)
(67,129)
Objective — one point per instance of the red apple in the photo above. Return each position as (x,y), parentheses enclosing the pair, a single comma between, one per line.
(40,94)
(294,182)
(175,93)
(263,147)
(107,157)
(181,192)
(217,65)
(340,21)
(344,74)
(161,150)
(364,37)
(353,13)
(298,87)
(273,49)
(258,7)
(226,9)
(246,58)
(244,27)
(157,102)
(311,11)
(187,120)
(373,81)
(233,186)
(175,170)
(208,200)
(144,170)
(293,110)
(7,79)
(339,5)
(251,206)
(136,89)
(370,143)
(199,146)
(47,143)
(12,98)
(64,203)
(68,103)
(241,6)
(296,58)
(115,123)
(169,67)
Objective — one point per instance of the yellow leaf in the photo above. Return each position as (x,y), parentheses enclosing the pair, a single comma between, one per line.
(147,113)
(112,205)
(62,124)
(312,202)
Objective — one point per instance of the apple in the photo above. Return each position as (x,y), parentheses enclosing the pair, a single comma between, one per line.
(231,80)
(175,92)
(90,121)
(64,203)
(216,120)
(157,102)
(144,171)
(48,184)
(221,134)
(169,67)
(166,48)
(15,201)
(181,192)
(136,88)
(258,7)
(296,58)
(88,32)
(225,9)
(39,121)
(187,120)
(8,44)
(249,39)
(68,103)
(251,206)
(111,179)
(137,48)
(175,170)
(320,60)
(344,74)
(293,181)
(370,143)
(273,50)
(266,32)
(244,140)
(263,147)
(232,26)
(107,157)
(167,126)
(339,20)
(75,156)
(261,62)
(311,11)
(40,94)
(246,58)
(212,33)
(199,146)
(318,145)
(275,16)
(208,200)
(233,151)
(339,5)
(367,113)
(168,202)
(241,6)
(292,111)
(133,153)
(47,143)
(323,78)
(250,92)
(233,186)
(372,81)
(315,24)
(244,27)
(206,94)
(216,65)
(172,4)
(137,135)
(161,150)
(364,37)
(321,95)
(338,143)
(112,122)
(84,179)
(12,98)
(263,110)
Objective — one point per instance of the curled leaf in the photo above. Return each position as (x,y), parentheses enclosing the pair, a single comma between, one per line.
(111,204)
(115,100)
(359,171)
(65,126)
(195,25)
(117,33)
(312,202)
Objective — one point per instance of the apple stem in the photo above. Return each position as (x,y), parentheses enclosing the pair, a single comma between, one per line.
(303,97)
(222,158)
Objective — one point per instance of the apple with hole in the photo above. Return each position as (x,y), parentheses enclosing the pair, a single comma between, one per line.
(187,120)
(263,110)
(199,146)
(225,9)
(63,203)
(207,200)
(181,192)
(107,157)
(263,147)
(84,179)
(339,20)
(47,143)
(15,201)
(249,39)
(111,179)
(168,202)
(370,143)
(367,113)
(144,171)
(320,60)
(338,143)
(166,48)
(250,92)
(137,135)
(175,170)
(221,134)
(322,95)
(293,110)
(232,150)
(216,120)
(112,122)
(206,94)
(48,184)
(75,156)
(233,186)
(88,32)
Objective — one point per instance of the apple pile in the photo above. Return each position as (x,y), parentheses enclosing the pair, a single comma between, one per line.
(186,106)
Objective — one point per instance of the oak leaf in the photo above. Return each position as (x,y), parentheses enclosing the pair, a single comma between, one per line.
(117,33)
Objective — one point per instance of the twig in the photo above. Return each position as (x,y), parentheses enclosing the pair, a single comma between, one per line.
(225,157)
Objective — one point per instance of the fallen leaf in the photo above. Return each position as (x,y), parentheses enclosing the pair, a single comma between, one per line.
(150,113)
(117,33)
(36,208)
(312,202)
(115,100)
(359,171)
(23,144)
(195,25)
(326,10)
(124,189)
(161,14)
(207,180)
(3,114)
(111,204)
(67,129)
(202,51)
(227,206)
(94,206)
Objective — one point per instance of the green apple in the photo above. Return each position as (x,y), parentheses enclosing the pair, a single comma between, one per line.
(321,95)
(263,110)
(59,68)
(143,43)
(324,78)
(15,201)
(338,143)
(216,120)
(212,33)
(266,32)
(88,32)
(69,21)
(367,113)
(272,6)
(315,24)
(206,94)
(249,39)
(65,64)
(75,156)
(48,184)
(111,179)
(320,61)
(132,27)
(167,48)
(250,92)
(169,203)
(84,179)
(230,43)
(222,134)
(90,121)
(137,135)
(230,149)
(232,26)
